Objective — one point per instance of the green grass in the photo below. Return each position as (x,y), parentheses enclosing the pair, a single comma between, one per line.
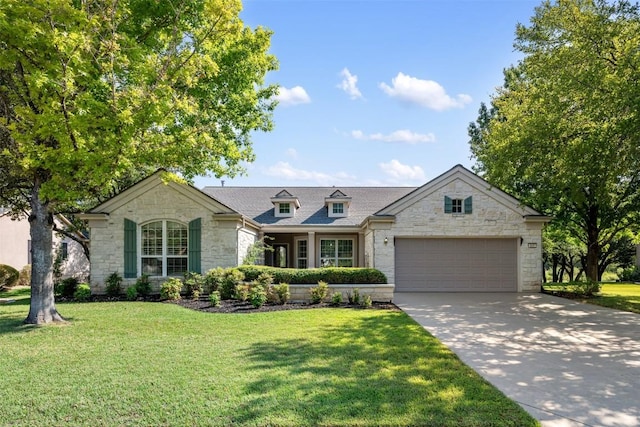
(135,363)
(621,296)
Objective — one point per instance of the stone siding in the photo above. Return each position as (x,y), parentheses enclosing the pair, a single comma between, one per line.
(490,218)
(377,292)
(162,202)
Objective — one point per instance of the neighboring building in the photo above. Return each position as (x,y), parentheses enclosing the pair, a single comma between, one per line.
(15,247)
(455,233)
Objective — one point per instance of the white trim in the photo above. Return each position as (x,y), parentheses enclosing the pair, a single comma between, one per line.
(164,255)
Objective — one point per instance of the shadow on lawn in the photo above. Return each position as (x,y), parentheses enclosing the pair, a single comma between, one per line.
(382,369)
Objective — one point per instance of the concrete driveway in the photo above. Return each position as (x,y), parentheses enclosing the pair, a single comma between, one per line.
(566,363)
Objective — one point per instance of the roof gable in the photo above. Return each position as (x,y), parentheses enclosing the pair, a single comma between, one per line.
(154,180)
(458,172)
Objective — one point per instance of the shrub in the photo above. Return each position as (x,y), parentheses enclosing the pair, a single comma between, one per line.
(193,285)
(143,285)
(214,298)
(213,279)
(8,276)
(319,293)
(282,292)
(345,275)
(630,274)
(257,296)
(25,276)
(67,287)
(171,289)
(232,278)
(132,293)
(242,292)
(265,279)
(366,301)
(82,292)
(585,289)
(354,297)
(336,298)
(114,285)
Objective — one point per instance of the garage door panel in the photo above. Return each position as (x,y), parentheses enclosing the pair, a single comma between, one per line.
(450,265)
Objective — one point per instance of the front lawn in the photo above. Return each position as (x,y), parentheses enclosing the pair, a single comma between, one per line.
(136,363)
(621,296)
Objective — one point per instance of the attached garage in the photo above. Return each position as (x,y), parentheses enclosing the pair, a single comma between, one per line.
(456,264)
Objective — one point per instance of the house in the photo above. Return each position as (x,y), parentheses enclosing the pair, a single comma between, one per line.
(15,247)
(455,233)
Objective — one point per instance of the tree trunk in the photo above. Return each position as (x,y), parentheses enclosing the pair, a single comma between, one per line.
(43,307)
(593,245)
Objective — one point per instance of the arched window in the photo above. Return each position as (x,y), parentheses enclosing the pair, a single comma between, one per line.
(164,248)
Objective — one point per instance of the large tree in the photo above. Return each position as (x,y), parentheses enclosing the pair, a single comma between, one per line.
(91,90)
(563,133)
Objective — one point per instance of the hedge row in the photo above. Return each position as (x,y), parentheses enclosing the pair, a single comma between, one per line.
(311,276)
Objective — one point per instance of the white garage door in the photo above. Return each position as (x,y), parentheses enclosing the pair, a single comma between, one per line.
(456,265)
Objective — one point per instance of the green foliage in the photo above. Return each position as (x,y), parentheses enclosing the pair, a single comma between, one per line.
(8,276)
(82,292)
(354,297)
(193,285)
(242,292)
(67,287)
(282,292)
(214,298)
(336,298)
(366,301)
(114,284)
(143,286)
(255,252)
(265,279)
(554,134)
(630,274)
(25,276)
(319,293)
(257,295)
(171,289)
(232,278)
(337,275)
(214,279)
(132,293)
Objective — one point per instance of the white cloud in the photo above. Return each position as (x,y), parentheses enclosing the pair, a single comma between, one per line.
(402,136)
(294,96)
(349,84)
(399,172)
(285,171)
(425,93)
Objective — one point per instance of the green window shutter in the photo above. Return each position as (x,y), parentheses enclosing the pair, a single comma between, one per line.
(447,204)
(130,249)
(195,237)
(468,205)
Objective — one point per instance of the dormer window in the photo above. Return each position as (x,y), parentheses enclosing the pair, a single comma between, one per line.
(337,204)
(284,208)
(285,204)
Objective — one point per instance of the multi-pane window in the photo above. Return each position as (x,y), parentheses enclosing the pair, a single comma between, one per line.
(164,248)
(336,253)
(456,205)
(285,208)
(338,208)
(301,254)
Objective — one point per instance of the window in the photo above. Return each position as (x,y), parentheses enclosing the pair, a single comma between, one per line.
(338,208)
(284,208)
(64,250)
(336,253)
(301,254)
(164,248)
(458,206)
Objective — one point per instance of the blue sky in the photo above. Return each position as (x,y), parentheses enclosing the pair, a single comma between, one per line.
(377,92)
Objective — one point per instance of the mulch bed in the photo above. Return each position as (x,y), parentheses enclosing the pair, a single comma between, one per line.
(233,306)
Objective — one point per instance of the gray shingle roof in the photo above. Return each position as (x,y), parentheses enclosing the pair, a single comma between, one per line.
(255,203)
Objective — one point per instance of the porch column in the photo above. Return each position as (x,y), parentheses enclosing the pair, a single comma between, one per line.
(311,248)
(360,260)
